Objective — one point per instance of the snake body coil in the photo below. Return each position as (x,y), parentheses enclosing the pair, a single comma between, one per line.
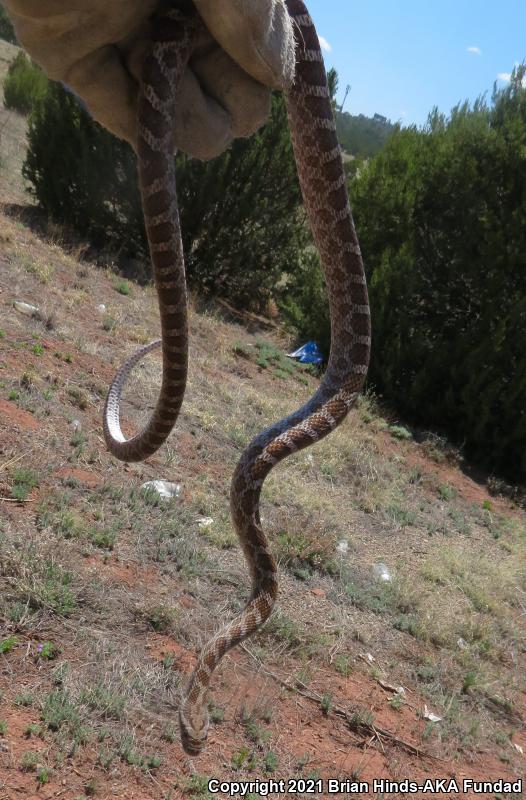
(323,184)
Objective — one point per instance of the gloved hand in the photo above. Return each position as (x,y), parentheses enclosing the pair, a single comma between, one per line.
(96,48)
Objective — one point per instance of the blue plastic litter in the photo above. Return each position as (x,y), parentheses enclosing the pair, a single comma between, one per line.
(309,353)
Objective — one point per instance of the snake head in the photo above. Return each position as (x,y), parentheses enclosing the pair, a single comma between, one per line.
(194,729)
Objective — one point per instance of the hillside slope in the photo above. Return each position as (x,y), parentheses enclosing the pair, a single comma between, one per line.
(107,593)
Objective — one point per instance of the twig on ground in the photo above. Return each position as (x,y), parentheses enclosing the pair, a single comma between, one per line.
(362,728)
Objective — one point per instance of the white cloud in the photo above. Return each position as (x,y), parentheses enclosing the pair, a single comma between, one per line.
(506,77)
(325,44)
(475,50)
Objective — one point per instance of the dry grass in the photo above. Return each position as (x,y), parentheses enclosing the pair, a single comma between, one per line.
(458,567)
(127,588)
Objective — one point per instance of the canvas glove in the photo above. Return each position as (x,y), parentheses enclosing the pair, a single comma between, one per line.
(96,48)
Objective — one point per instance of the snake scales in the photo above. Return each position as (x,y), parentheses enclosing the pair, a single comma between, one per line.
(323,185)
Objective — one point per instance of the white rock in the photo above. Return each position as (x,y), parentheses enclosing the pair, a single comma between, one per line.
(382,572)
(368,657)
(25,308)
(342,547)
(76,425)
(205,522)
(164,489)
(101,309)
(430,716)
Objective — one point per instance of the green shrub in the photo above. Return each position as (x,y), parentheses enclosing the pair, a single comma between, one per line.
(25,84)
(81,175)
(441,215)
(239,213)
(7,32)
(304,302)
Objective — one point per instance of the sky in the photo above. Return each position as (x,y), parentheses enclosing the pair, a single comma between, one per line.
(403,57)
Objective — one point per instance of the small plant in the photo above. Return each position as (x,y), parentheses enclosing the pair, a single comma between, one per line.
(243,758)
(303,761)
(106,758)
(168,661)
(6,645)
(20,492)
(122,287)
(470,680)
(3,727)
(285,629)
(360,718)
(197,787)
(78,440)
(24,480)
(53,590)
(24,700)
(33,730)
(415,476)
(59,713)
(151,497)
(47,651)
(24,85)
(254,731)
(401,433)
(240,349)
(446,492)
(326,703)
(109,703)
(44,775)
(90,788)
(343,664)
(14,395)
(151,762)
(270,762)
(37,349)
(161,618)
(397,701)
(29,761)
(105,539)
(109,324)
(217,715)
(78,397)
(169,734)
(27,380)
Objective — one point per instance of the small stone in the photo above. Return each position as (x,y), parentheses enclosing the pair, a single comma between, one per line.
(430,716)
(25,308)
(382,573)
(318,592)
(164,489)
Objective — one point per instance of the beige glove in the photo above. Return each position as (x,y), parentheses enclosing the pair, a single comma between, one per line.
(96,48)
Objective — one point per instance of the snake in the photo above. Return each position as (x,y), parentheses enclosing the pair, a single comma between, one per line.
(323,184)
